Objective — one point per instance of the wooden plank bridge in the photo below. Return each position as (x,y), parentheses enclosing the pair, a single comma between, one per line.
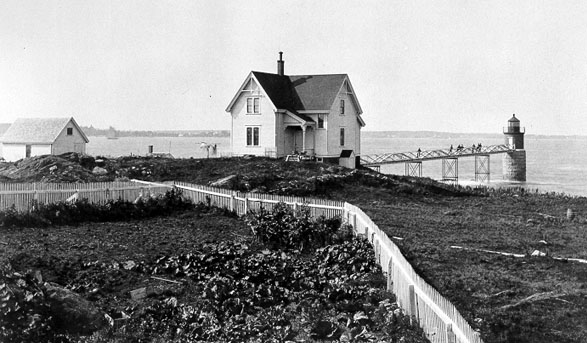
(449,157)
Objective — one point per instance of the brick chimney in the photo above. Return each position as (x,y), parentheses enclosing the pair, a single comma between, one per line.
(280,64)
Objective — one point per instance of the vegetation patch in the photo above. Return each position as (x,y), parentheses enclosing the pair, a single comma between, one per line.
(259,288)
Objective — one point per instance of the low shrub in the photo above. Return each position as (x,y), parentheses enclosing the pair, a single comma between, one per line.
(24,311)
(285,228)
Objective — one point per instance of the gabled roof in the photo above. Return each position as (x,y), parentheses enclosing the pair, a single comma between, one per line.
(38,130)
(300,92)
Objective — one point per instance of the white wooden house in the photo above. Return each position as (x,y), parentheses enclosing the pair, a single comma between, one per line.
(278,114)
(28,137)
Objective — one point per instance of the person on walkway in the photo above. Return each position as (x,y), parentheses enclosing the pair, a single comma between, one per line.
(450,150)
(419,151)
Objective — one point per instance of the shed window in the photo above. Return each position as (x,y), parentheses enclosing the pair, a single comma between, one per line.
(69,131)
(342,136)
(252,136)
(253,106)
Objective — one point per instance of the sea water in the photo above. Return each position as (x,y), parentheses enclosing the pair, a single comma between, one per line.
(554,164)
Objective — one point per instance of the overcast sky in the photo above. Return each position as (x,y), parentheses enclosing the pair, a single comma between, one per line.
(457,66)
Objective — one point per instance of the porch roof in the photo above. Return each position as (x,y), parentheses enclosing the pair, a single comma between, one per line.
(301,119)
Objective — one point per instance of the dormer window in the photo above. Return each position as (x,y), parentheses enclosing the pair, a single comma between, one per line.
(341,106)
(253,106)
(321,121)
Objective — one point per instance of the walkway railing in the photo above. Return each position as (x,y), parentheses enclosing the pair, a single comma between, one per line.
(379,159)
(437,316)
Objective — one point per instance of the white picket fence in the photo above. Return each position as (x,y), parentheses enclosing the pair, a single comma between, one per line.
(437,316)
(23,195)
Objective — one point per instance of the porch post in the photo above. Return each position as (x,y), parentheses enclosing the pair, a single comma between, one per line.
(303,138)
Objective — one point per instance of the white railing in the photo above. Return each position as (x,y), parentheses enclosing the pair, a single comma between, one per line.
(437,316)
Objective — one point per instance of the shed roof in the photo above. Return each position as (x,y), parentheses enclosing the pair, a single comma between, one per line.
(38,130)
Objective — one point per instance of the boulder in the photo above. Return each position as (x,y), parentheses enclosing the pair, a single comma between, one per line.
(72,313)
(99,171)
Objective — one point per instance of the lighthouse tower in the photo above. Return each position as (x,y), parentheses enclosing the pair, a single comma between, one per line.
(514,162)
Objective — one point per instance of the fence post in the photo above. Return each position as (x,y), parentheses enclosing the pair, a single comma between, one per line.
(390,274)
(412,305)
(233,202)
(355,221)
(246,205)
(450,336)
(295,207)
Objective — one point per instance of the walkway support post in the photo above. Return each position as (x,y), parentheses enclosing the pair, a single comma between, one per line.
(414,168)
(482,173)
(450,169)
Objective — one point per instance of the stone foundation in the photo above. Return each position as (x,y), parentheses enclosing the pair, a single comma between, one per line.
(514,165)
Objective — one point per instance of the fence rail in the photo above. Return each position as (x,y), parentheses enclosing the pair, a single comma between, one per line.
(22,196)
(437,316)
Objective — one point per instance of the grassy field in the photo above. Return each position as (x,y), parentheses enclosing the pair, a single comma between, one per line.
(508,299)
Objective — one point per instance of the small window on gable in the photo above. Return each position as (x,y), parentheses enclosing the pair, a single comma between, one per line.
(253,106)
(69,131)
(321,121)
(341,106)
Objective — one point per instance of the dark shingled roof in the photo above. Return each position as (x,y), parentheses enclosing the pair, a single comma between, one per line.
(301,92)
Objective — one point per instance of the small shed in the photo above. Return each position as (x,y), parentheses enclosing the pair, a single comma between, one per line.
(28,137)
(347,159)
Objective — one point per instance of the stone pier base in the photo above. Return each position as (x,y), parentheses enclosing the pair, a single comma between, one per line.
(514,165)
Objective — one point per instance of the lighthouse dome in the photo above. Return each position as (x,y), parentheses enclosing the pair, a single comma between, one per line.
(514,119)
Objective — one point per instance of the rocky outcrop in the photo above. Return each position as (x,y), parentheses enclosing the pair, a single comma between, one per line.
(72,313)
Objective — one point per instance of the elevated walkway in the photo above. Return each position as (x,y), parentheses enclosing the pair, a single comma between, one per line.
(401,157)
(413,160)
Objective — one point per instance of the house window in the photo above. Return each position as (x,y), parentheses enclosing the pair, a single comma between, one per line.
(321,121)
(252,136)
(69,131)
(341,106)
(342,136)
(253,106)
